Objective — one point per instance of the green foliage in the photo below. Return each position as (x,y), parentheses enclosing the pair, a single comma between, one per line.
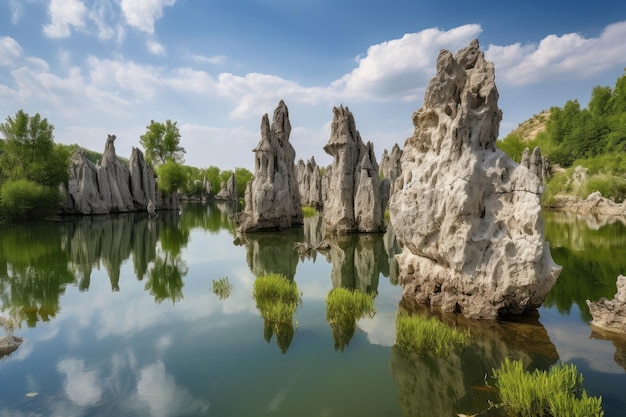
(276,297)
(343,308)
(308,211)
(513,146)
(242,178)
(161,143)
(611,187)
(171,176)
(424,335)
(556,393)
(222,288)
(23,199)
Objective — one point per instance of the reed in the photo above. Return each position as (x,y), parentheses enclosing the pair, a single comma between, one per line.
(308,211)
(554,393)
(276,297)
(423,335)
(222,288)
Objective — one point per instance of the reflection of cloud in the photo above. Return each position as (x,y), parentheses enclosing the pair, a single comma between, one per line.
(82,387)
(158,392)
(380,329)
(275,403)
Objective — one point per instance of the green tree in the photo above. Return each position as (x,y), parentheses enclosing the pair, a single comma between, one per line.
(29,152)
(171,176)
(242,178)
(161,143)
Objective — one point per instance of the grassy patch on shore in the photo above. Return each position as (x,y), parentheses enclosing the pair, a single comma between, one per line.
(422,335)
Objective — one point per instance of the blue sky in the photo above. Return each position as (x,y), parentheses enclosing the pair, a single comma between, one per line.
(98,67)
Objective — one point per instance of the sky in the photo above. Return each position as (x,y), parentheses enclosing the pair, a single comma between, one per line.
(99,67)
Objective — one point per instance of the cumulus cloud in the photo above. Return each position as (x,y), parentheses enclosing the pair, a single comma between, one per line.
(142,14)
(106,19)
(567,57)
(64,14)
(155,48)
(10,51)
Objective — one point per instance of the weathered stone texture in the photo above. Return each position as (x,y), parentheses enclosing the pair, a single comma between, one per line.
(353,202)
(272,199)
(310,183)
(611,314)
(467,216)
(391,166)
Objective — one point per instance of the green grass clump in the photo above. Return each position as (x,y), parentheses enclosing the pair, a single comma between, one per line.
(555,393)
(423,335)
(342,302)
(222,288)
(276,297)
(308,211)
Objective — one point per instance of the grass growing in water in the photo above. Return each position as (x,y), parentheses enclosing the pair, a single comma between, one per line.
(222,288)
(555,393)
(308,211)
(276,297)
(422,335)
(343,308)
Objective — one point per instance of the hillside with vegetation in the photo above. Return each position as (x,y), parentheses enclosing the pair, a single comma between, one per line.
(586,146)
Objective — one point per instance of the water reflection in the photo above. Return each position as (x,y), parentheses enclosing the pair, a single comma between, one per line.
(618,340)
(592,251)
(444,386)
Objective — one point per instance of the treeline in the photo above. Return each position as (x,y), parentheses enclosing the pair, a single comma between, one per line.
(593,137)
(32,166)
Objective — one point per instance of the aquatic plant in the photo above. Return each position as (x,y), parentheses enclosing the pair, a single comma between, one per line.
(276,297)
(222,288)
(423,335)
(343,308)
(555,393)
(308,211)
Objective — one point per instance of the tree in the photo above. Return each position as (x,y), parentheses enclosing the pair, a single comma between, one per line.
(161,143)
(242,178)
(29,152)
(171,176)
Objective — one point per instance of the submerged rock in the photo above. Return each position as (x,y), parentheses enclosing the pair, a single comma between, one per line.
(272,199)
(611,314)
(467,216)
(353,202)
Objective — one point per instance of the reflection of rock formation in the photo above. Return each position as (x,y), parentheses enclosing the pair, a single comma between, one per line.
(618,340)
(283,331)
(310,183)
(272,199)
(112,186)
(611,314)
(353,203)
(446,386)
(272,252)
(468,217)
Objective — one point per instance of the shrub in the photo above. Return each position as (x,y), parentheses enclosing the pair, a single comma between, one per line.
(276,297)
(428,335)
(611,187)
(24,199)
(556,393)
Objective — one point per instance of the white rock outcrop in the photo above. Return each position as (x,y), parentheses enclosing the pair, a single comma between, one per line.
(467,216)
(353,202)
(611,314)
(272,199)
(310,183)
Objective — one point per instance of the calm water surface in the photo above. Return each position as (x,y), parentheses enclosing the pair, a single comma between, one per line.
(119,318)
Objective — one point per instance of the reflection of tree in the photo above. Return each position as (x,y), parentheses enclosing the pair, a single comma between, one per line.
(165,278)
(591,260)
(212,217)
(33,271)
(438,386)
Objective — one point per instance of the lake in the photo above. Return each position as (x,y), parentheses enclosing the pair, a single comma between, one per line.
(121,316)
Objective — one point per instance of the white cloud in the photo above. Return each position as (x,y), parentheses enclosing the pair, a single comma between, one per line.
(81,386)
(63,15)
(567,57)
(141,14)
(155,48)
(17,9)
(105,16)
(10,51)
(213,60)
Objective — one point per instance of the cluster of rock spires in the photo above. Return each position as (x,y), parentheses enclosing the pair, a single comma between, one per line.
(272,199)
(111,187)
(358,198)
(390,165)
(310,183)
(467,216)
(228,191)
(536,163)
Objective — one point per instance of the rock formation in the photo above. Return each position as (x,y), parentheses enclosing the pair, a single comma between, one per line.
(536,163)
(611,314)
(111,187)
(390,165)
(467,216)
(353,202)
(310,183)
(229,190)
(272,199)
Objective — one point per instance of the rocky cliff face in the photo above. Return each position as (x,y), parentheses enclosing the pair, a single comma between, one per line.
(467,216)
(536,163)
(391,166)
(111,187)
(353,202)
(272,199)
(310,183)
